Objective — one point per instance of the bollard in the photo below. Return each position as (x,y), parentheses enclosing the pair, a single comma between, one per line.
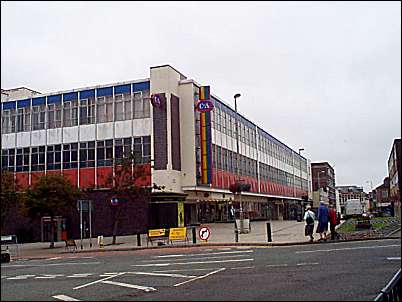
(194,235)
(138,239)
(236,235)
(269,232)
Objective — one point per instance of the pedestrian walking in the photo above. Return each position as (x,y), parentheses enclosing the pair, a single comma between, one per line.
(309,218)
(333,221)
(322,217)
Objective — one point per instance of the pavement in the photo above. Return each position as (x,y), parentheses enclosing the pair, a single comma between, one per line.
(283,232)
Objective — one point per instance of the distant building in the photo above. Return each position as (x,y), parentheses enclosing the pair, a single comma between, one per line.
(323,182)
(394,174)
(17,93)
(382,194)
(350,192)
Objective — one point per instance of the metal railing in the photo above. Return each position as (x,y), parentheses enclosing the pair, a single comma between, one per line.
(392,291)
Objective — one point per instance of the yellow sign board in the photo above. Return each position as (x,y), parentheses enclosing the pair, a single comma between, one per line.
(177,234)
(156,233)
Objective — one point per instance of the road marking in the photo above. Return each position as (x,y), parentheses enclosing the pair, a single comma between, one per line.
(394,258)
(20,277)
(97,281)
(277,265)
(302,264)
(144,288)
(204,254)
(349,248)
(45,277)
(194,262)
(64,298)
(243,267)
(183,270)
(54,258)
(53,264)
(80,275)
(201,258)
(200,277)
(161,274)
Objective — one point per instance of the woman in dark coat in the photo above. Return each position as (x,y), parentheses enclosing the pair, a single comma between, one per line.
(322,216)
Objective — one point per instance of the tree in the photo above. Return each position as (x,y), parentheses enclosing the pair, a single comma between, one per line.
(125,187)
(8,194)
(53,195)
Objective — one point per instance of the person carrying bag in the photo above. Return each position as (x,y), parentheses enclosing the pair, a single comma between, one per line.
(309,218)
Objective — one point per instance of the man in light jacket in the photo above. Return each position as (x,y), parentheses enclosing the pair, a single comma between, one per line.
(309,218)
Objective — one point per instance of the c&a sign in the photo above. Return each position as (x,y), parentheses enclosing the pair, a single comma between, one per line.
(204,104)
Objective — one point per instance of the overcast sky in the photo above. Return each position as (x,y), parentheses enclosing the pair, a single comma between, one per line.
(322,76)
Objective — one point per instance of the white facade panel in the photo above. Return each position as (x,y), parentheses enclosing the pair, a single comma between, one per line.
(38,138)
(213,134)
(87,133)
(70,134)
(122,129)
(223,141)
(8,141)
(142,127)
(23,139)
(104,131)
(54,136)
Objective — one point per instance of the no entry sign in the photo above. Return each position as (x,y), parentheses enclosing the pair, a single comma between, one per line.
(204,233)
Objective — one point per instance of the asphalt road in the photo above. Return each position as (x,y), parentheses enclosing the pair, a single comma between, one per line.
(332,271)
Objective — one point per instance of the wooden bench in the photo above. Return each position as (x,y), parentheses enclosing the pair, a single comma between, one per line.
(158,235)
(70,244)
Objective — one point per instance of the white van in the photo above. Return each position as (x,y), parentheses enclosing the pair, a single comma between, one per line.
(353,208)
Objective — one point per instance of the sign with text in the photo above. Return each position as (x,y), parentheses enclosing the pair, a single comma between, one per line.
(156,233)
(177,233)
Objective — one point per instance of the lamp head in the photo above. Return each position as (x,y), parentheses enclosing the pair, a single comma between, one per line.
(237,95)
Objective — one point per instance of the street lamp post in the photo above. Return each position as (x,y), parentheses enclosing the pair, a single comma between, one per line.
(237,95)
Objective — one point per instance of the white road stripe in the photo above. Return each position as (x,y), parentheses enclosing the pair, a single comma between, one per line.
(394,258)
(200,277)
(64,298)
(200,258)
(194,262)
(144,288)
(183,270)
(20,277)
(97,281)
(203,254)
(161,274)
(350,248)
(54,258)
(80,275)
(277,265)
(52,264)
(301,264)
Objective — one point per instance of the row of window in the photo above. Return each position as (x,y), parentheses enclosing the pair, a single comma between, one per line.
(272,174)
(71,113)
(77,155)
(225,122)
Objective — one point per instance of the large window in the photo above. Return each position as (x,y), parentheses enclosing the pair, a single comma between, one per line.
(38,117)
(8,160)
(38,158)
(54,115)
(87,111)
(23,119)
(70,156)
(87,154)
(22,159)
(104,153)
(141,105)
(53,155)
(70,113)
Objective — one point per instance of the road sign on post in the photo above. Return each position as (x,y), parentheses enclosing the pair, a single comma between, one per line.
(204,233)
